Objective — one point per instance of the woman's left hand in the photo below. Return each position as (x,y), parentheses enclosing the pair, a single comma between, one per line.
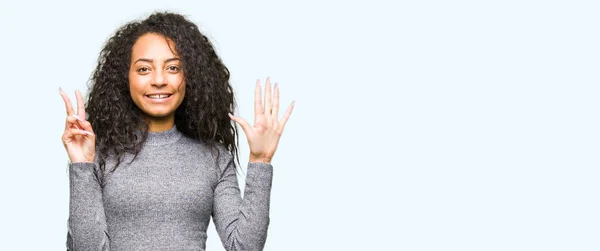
(264,136)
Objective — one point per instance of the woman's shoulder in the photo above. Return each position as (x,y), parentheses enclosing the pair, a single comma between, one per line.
(210,151)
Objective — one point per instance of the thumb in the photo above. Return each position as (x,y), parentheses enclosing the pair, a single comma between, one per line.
(242,122)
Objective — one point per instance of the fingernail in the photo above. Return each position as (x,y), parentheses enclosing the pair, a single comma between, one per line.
(77,117)
(88,133)
(60,89)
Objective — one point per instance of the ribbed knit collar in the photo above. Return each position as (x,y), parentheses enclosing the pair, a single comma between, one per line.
(164,137)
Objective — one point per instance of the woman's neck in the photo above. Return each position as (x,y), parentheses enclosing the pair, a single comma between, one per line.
(160,124)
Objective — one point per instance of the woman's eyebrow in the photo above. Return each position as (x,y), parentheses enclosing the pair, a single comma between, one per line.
(151,60)
(144,60)
(172,59)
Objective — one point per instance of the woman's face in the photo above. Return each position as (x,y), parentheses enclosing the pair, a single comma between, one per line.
(156,80)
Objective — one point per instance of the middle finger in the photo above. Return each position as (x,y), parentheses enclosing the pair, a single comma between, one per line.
(268,97)
(68,105)
(276,102)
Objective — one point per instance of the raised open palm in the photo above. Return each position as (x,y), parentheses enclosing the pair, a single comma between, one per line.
(264,135)
(79,139)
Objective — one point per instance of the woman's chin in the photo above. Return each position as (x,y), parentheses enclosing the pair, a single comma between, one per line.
(160,115)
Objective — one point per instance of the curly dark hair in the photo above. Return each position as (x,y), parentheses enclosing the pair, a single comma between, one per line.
(119,124)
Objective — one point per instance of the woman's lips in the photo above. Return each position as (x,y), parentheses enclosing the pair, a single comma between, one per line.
(158,98)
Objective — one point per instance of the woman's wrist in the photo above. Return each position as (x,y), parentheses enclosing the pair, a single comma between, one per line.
(260,159)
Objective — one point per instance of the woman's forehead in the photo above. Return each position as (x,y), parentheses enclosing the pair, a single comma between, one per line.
(153,46)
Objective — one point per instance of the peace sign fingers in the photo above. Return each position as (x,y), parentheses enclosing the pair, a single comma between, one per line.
(78,137)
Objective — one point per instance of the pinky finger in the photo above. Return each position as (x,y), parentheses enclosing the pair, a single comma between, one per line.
(287,114)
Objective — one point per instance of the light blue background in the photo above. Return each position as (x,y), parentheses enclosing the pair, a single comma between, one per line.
(419,125)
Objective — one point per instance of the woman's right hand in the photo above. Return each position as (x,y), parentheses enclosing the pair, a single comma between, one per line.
(79,138)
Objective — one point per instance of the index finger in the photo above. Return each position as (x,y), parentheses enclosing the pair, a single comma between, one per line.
(68,105)
(258,105)
(80,105)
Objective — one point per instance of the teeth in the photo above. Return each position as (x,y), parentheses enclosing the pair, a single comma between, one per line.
(159,96)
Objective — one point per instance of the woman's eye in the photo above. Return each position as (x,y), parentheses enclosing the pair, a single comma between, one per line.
(143,69)
(173,68)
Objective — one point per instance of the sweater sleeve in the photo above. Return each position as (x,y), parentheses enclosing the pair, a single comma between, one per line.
(242,223)
(87,229)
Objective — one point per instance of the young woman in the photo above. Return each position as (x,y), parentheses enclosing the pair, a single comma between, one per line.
(154,156)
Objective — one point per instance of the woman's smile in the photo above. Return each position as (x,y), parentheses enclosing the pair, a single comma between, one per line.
(159,97)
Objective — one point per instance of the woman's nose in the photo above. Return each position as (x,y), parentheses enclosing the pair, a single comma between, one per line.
(159,79)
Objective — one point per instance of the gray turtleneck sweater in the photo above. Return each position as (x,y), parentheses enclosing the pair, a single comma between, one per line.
(164,199)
